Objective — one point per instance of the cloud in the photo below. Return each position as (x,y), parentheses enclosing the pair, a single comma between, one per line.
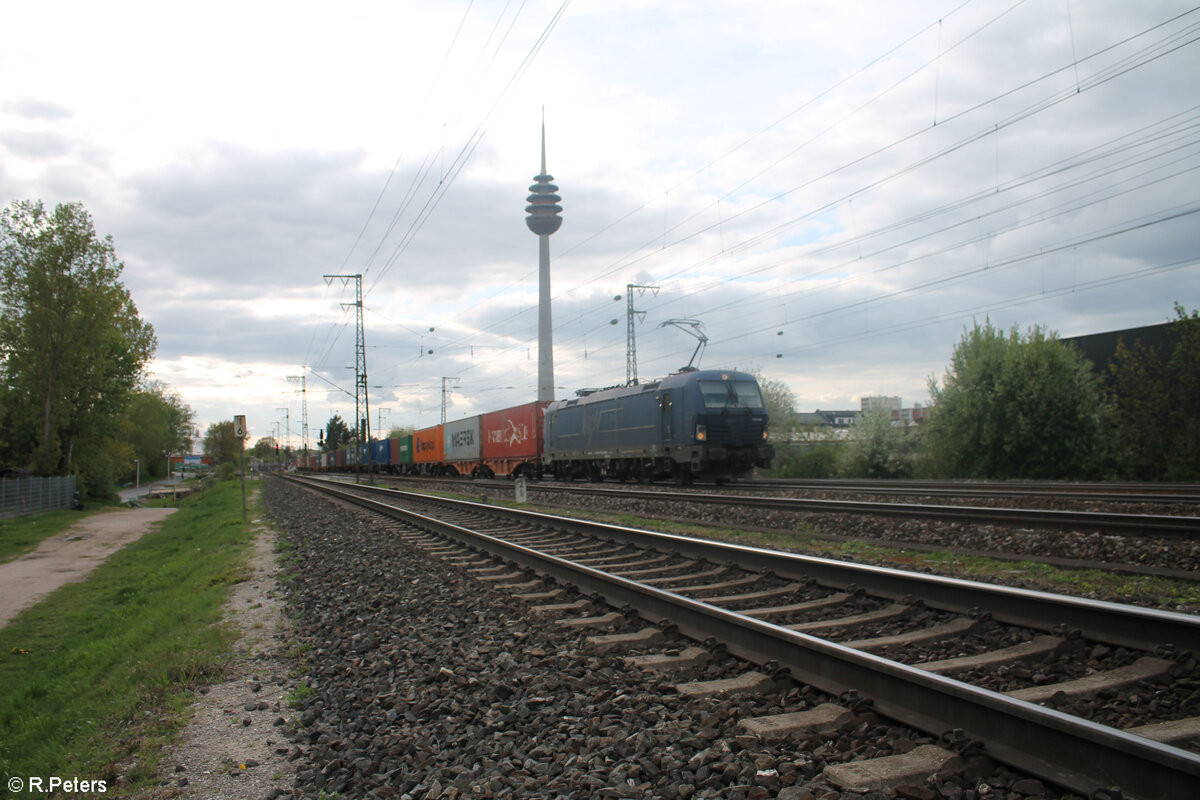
(32,108)
(834,189)
(39,145)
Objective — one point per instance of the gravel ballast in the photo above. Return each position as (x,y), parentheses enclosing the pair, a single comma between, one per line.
(1181,554)
(425,683)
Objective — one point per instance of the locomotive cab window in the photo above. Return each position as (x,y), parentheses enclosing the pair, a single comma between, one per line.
(567,422)
(731,394)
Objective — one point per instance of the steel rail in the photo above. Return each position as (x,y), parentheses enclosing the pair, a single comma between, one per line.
(1159,494)
(1129,626)
(1065,750)
(969,484)
(1181,494)
(1144,524)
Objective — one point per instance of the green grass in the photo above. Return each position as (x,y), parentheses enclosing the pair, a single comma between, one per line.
(1117,586)
(97,677)
(23,534)
(297,696)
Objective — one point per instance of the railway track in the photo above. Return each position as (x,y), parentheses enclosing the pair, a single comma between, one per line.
(1156,525)
(1111,492)
(1102,522)
(1183,496)
(881,633)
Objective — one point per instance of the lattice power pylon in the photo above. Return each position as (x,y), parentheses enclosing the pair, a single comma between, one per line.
(303,409)
(362,406)
(631,376)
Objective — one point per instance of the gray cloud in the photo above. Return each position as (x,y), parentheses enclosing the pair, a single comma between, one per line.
(33,108)
(839,241)
(41,144)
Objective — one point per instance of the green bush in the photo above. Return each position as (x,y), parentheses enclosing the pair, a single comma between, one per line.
(877,448)
(1017,406)
(1158,403)
(806,461)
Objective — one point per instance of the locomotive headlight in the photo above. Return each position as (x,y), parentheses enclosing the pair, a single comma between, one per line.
(701,433)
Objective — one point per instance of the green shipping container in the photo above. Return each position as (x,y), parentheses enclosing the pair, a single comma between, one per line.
(402,452)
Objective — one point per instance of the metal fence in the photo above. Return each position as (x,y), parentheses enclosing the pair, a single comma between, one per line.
(21,496)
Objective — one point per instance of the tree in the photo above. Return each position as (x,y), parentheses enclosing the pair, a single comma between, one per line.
(1017,406)
(72,345)
(877,448)
(337,434)
(780,402)
(156,423)
(1157,396)
(222,443)
(266,448)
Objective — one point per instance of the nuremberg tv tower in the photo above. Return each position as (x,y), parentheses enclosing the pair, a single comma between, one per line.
(544,219)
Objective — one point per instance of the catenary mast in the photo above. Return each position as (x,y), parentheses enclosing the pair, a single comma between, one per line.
(544,219)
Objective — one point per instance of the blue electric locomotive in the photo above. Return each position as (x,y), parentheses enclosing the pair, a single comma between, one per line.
(706,424)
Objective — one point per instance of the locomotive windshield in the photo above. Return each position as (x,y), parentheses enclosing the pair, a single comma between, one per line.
(730,394)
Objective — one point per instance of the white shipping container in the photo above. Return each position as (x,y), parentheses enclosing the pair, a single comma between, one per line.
(462,440)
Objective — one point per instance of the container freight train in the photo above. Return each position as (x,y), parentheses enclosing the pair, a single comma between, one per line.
(507,442)
(701,424)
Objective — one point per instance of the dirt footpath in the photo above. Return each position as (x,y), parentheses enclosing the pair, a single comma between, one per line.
(236,747)
(70,556)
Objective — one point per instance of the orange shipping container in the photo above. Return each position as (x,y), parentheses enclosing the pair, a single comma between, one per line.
(428,446)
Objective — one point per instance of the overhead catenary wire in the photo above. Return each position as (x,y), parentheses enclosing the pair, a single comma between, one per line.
(1151,53)
(1108,193)
(1106,164)
(1173,41)
(955,146)
(467,149)
(424,172)
(1052,169)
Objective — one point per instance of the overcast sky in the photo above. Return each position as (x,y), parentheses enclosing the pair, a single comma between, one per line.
(834,190)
